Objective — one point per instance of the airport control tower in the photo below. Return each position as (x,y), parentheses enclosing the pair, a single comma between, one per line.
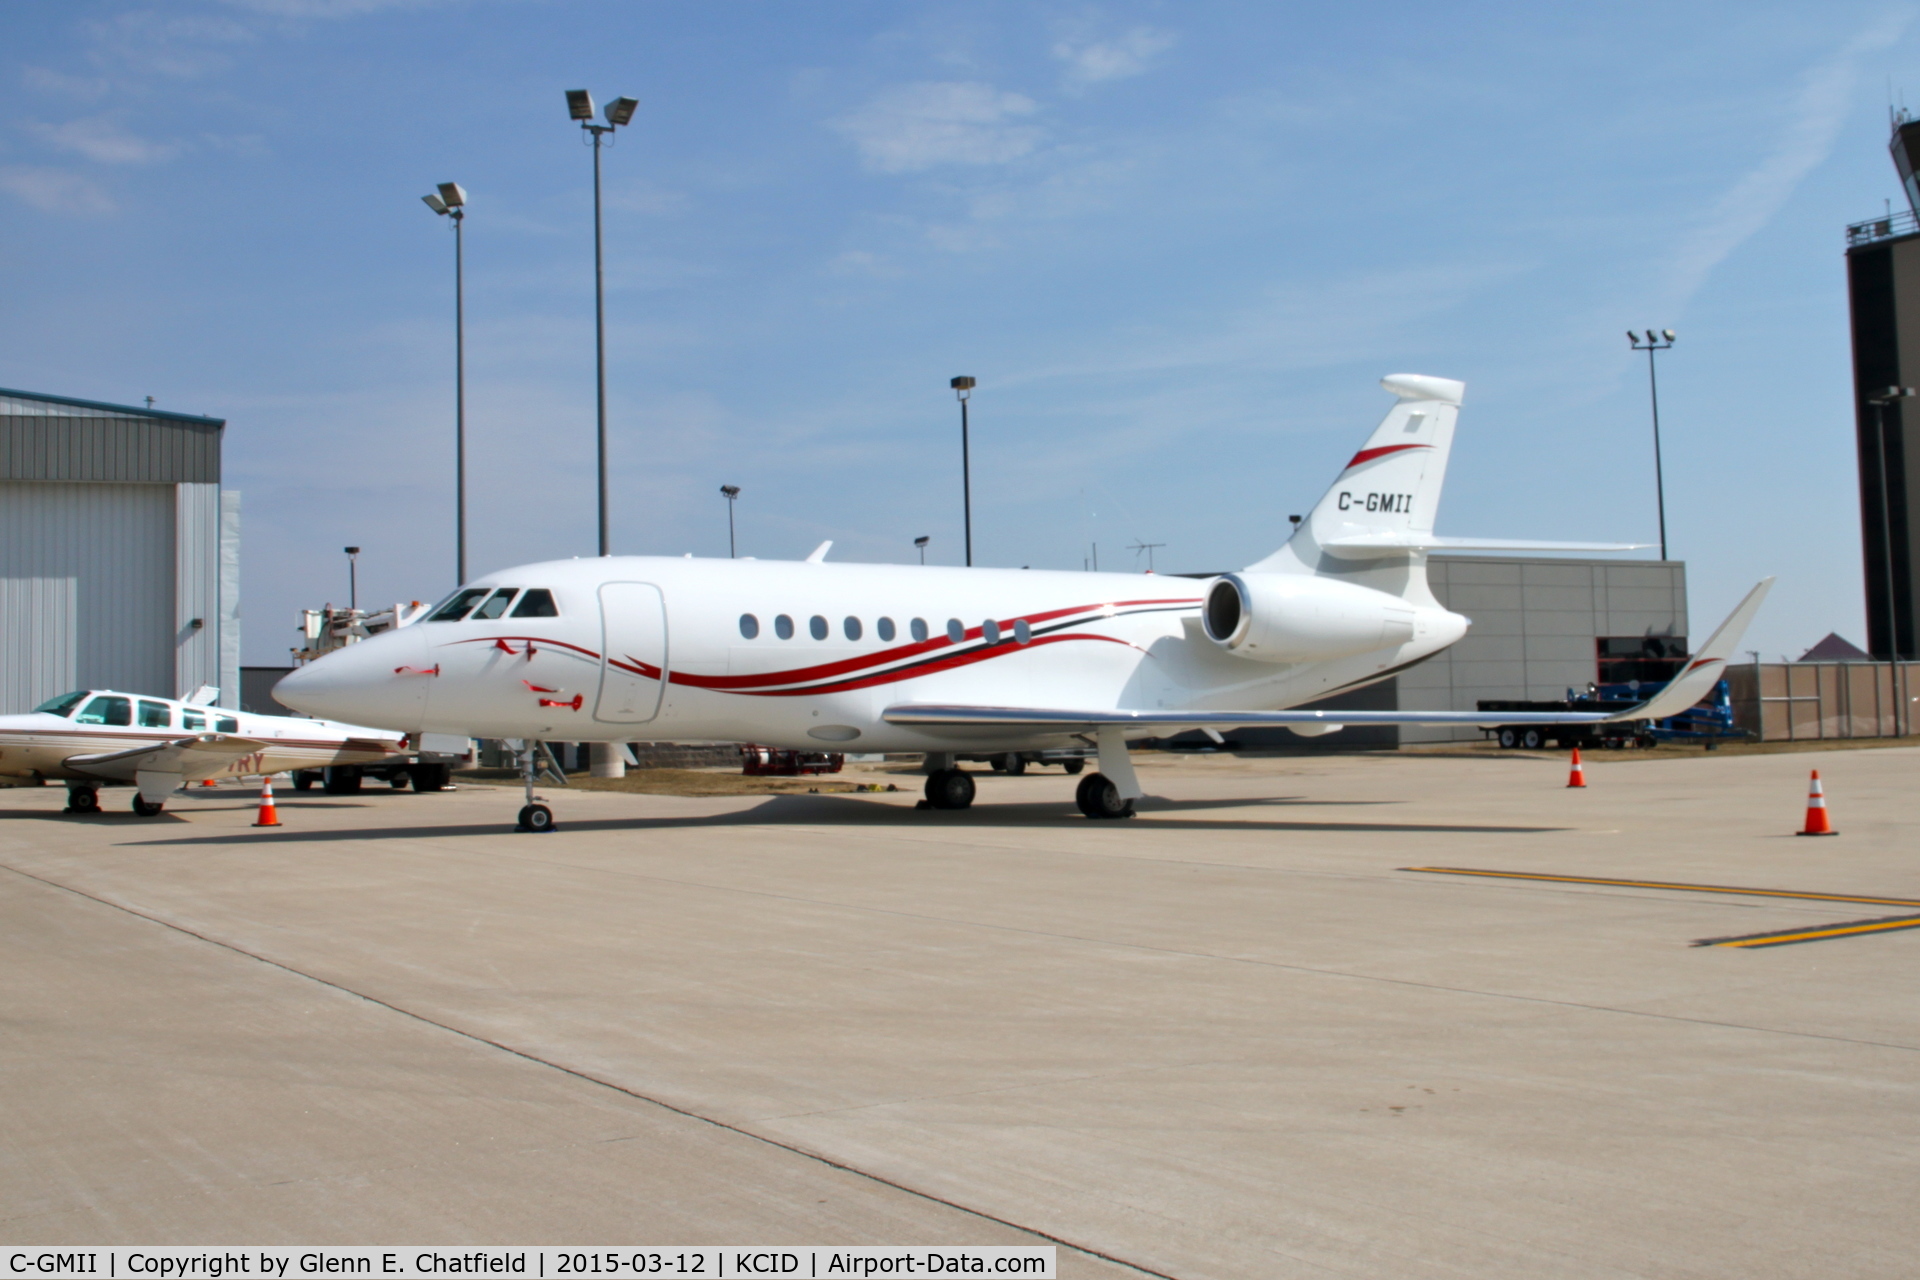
(1883,290)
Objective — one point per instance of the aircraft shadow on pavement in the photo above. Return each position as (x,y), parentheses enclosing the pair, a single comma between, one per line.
(834,810)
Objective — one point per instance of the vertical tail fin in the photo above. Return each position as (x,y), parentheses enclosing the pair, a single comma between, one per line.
(1391,486)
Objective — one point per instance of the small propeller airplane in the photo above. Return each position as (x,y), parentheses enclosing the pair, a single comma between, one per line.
(97,737)
(949,661)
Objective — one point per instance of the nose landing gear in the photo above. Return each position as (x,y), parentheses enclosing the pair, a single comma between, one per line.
(534,816)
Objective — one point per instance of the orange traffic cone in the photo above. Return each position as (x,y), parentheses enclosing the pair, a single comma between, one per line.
(1817,821)
(1578,778)
(269,816)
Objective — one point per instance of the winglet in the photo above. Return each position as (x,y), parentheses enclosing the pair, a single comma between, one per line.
(1707,666)
(819,555)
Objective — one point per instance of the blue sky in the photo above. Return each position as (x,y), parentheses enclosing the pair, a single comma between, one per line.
(1177,244)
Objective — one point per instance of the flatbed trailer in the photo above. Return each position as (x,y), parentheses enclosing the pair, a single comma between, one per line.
(1708,721)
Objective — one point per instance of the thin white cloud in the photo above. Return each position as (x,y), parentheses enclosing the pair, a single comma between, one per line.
(54,190)
(103,140)
(1092,62)
(917,126)
(181,48)
(1819,111)
(47,80)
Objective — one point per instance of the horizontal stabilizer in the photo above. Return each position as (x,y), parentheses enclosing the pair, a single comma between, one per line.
(1393,543)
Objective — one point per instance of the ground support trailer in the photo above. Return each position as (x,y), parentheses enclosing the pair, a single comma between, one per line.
(1708,721)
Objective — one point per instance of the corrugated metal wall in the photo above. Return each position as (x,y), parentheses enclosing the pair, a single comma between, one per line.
(196,586)
(52,442)
(87,585)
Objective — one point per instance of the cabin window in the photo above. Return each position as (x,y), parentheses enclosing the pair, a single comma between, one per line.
(783,627)
(749,625)
(918,628)
(991,630)
(496,605)
(1022,633)
(62,705)
(192,720)
(852,627)
(885,628)
(817,626)
(537,603)
(226,724)
(956,630)
(107,709)
(457,605)
(155,715)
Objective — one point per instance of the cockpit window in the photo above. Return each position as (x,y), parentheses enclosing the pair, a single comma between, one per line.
(107,709)
(537,603)
(155,715)
(62,705)
(495,606)
(457,604)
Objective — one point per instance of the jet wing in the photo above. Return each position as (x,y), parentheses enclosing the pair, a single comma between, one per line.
(194,758)
(1682,692)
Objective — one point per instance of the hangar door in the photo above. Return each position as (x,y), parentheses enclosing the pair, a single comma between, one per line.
(633,653)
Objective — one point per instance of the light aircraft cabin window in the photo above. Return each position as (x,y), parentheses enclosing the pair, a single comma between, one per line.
(226,724)
(1022,633)
(749,625)
(918,628)
(496,605)
(956,630)
(192,720)
(852,628)
(456,607)
(107,710)
(537,603)
(991,630)
(885,627)
(783,627)
(62,705)
(817,625)
(155,715)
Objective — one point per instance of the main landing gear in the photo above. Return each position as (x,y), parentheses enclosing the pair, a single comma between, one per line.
(1098,797)
(949,789)
(83,799)
(147,808)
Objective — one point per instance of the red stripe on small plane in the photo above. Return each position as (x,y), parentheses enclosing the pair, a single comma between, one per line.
(1368,455)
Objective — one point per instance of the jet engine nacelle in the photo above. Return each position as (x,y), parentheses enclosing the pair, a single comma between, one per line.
(1280,617)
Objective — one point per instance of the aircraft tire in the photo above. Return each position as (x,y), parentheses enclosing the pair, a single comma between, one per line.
(1073,766)
(430,777)
(998,764)
(83,800)
(536,818)
(950,789)
(303,779)
(399,781)
(1016,764)
(144,809)
(1099,798)
(340,781)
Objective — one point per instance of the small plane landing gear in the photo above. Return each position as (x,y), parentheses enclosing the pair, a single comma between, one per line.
(83,800)
(147,808)
(1098,797)
(949,789)
(534,816)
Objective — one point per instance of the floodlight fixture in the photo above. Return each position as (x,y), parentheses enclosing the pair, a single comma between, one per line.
(620,110)
(731,490)
(452,194)
(1668,334)
(435,203)
(921,542)
(579,104)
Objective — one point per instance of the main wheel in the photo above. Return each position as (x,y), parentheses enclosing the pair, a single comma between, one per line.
(83,800)
(1016,764)
(303,779)
(536,818)
(342,781)
(146,809)
(1073,766)
(950,789)
(430,777)
(1098,797)
(1532,740)
(998,764)
(1509,739)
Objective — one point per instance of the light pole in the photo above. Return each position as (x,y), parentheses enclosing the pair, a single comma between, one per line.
(963,387)
(451,202)
(921,542)
(619,112)
(353,577)
(732,491)
(1880,400)
(1652,343)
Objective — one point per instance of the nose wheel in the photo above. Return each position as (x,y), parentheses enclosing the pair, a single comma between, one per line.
(534,816)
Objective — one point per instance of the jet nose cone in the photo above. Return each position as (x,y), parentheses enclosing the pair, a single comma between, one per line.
(379,683)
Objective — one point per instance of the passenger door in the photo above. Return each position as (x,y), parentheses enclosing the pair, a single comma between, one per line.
(633,653)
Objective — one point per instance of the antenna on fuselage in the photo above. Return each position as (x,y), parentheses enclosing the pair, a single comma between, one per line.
(1138,547)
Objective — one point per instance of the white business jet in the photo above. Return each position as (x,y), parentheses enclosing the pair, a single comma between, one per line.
(960,661)
(101,737)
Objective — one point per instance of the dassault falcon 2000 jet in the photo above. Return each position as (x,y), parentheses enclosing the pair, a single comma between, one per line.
(948,661)
(101,737)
